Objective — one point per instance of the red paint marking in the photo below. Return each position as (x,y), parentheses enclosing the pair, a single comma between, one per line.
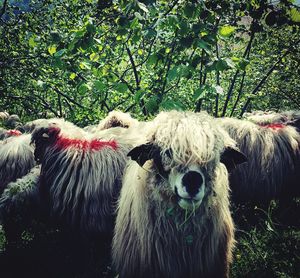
(273,126)
(14,132)
(85,144)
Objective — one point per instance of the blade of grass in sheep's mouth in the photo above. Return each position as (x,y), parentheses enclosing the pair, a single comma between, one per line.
(189,204)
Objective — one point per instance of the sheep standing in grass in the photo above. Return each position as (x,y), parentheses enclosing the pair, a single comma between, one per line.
(173,216)
(273,168)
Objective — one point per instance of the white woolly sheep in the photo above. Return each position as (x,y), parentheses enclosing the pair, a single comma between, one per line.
(173,216)
(113,119)
(273,168)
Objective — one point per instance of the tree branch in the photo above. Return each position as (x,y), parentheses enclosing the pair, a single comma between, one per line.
(137,80)
(233,81)
(3,9)
(263,80)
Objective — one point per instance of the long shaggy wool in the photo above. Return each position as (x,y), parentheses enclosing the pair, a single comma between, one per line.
(154,237)
(20,194)
(115,119)
(265,118)
(4,115)
(272,171)
(80,176)
(16,159)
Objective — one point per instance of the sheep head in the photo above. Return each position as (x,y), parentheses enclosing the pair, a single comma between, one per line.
(43,137)
(185,150)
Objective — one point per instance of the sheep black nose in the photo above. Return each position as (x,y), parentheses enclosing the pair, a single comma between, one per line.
(192,182)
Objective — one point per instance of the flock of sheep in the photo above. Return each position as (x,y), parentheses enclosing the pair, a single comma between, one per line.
(156,193)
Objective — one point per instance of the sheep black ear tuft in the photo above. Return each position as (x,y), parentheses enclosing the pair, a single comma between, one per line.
(232,157)
(144,152)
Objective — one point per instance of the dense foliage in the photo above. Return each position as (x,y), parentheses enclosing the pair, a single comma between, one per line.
(81,59)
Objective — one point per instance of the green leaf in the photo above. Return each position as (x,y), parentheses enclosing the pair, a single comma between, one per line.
(199,93)
(230,63)
(94,57)
(32,43)
(121,87)
(83,88)
(189,10)
(139,95)
(60,53)
(134,23)
(171,105)
(173,73)
(99,85)
(152,105)
(295,15)
(226,31)
(221,65)
(172,21)
(152,59)
(186,71)
(203,45)
(143,7)
(140,51)
(150,33)
(52,49)
(73,76)
(85,65)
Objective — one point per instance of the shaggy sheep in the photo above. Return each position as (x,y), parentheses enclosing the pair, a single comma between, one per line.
(268,118)
(80,176)
(114,119)
(4,134)
(173,216)
(273,168)
(13,122)
(16,159)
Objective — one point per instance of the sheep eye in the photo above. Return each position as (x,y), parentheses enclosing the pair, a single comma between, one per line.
(162,165)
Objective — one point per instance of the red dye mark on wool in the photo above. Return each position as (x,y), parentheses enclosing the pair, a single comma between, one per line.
(274,126)
(13,132)
(85,145)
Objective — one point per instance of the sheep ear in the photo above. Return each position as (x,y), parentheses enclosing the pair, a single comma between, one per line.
(142,153)
(232,157)
(295,123)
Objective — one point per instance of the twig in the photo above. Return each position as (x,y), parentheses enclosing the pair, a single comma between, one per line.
(263,80)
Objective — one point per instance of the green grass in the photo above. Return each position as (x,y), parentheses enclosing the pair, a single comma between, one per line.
(265,246)
(270,247)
